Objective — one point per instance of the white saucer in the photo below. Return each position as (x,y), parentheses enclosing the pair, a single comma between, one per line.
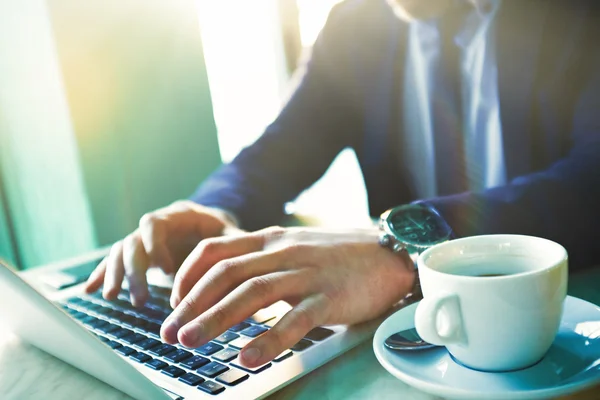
(571,364)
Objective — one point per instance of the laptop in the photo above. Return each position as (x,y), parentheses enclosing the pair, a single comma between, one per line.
(120,344)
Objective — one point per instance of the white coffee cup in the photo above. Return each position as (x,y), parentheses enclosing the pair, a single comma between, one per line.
(493,323)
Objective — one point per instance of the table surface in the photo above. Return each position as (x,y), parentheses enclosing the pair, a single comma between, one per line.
(29,373)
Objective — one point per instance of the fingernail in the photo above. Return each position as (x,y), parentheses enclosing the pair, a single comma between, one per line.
(170,323)
(252,355)
(168,332)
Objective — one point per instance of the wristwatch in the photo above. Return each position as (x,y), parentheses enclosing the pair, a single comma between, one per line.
(413,228)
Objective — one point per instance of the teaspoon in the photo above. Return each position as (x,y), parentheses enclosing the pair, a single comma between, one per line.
(408,340)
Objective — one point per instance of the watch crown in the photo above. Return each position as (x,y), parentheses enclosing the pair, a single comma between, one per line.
(398,247)
(384,240)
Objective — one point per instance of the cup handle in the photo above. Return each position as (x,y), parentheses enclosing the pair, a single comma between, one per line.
(427,315)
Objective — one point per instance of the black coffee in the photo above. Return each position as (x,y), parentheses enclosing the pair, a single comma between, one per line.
(490,275)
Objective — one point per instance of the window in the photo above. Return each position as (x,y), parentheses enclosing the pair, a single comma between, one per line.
(248,77)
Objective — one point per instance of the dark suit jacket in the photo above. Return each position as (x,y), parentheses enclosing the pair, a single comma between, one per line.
(548,59)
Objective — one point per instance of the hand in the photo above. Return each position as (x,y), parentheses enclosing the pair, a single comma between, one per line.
(328,277)
(164,239)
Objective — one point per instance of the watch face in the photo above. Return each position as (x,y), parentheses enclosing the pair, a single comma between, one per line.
(419,226)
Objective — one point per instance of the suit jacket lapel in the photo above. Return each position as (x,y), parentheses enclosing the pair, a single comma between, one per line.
(519,30)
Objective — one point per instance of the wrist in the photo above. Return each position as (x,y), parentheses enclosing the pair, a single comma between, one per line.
(401,275)
(412,291)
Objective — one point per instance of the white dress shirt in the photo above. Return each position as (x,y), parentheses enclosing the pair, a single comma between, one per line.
(481,128)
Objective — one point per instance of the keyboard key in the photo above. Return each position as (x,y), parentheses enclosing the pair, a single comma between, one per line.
(119,333)
(113,345)
(70,310)
(97,323)
(212,369)
(123,304)
(157,364)
(254,370)
(103,339)
(195,362)
(138,323)
(162,349)
(78,315)
(108,328)
(134,338)
(283,356)
(303,344)
(240,342)
(232,377)
(152,328)
(226,337)
(128,320)
(254,331)
(226,355)
(160,291)
(261,316)
(90,306)
(104,310)
(124,295)
(126,351)
(178,355)
(89,320)
(191,379)
(159,304)
(140,357)
(154,314)
(147,344)
(271,323)
(319,333)
(209,348)
(115,315)
(211,387)
(173,371)
(239,327)
(75,300)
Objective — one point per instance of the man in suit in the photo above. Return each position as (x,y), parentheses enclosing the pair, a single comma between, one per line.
(486,111)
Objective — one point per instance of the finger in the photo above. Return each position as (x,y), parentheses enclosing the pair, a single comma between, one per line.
(208,253)
(216,284)
(182,219)
(135,262)
(241,303)
(96,278)
(153,232)
(292,327)
(113,278)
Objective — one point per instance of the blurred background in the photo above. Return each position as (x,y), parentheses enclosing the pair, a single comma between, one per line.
(110,109)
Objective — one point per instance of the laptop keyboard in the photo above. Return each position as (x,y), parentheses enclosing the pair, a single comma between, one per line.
(135,333)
